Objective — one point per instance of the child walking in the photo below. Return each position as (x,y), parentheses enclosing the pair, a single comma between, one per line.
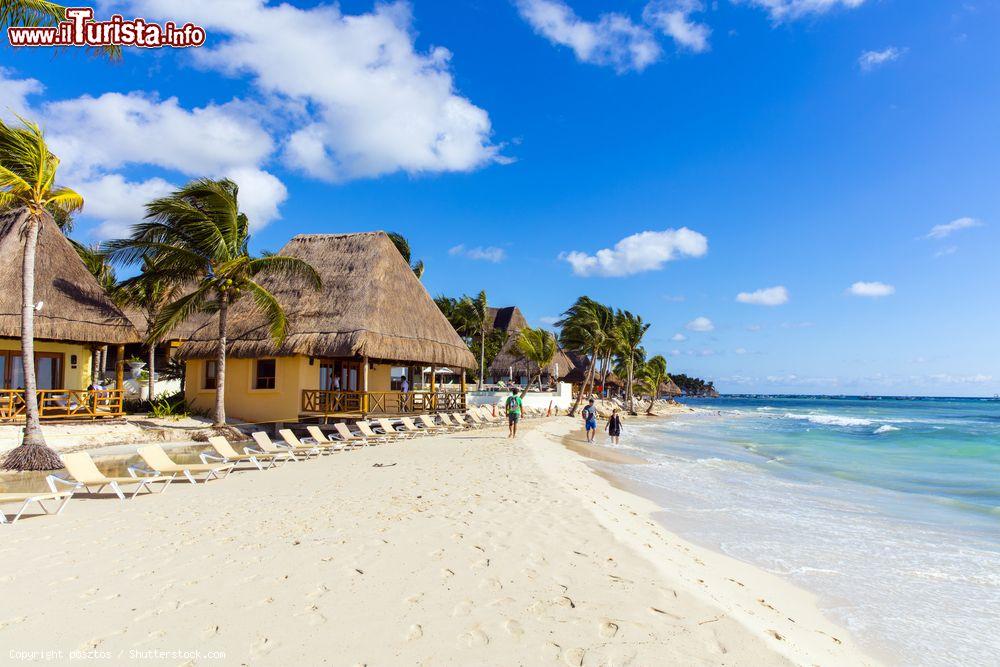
(614,426)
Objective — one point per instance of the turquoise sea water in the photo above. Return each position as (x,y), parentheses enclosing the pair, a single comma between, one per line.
(888,509)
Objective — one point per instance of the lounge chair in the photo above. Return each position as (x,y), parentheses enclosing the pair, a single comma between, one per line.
(478,419)
(431,425)
(370,435)
(264,443)
(459,419)
(297,445)
(412,428)
(347,436)
(320,438)
(224,452)
(37,498)
(389,429)
(85,474)
(487,414)
(162,465)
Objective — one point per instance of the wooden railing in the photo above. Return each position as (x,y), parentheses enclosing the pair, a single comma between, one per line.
(320,401)
(64,404)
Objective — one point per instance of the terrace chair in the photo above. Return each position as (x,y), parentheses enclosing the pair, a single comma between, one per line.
(320,438)
(84,474)
(347,436)
(431,425)
(370,435)
(37,498)
(388,428)
(458,420)
(487,415)
(477,419)
(162,465)
(265,444)
(297,445)
(224,452)
(413,428)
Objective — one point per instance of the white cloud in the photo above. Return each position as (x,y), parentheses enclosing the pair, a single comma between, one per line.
(672,17)
(550,320)
(117,202)
(15,92)
(740,351)
(770,296)
(753,327)
(782,10)
(374,104)
(950,250)
(945,230)
(613,39)
(678,337)
(645,251)
(871,289)
(487,254)
(700,324)
(870,60)
(674,298)
(797,325)
(945,378)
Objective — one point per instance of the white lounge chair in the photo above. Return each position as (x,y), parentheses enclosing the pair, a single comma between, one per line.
(370,435)
(433,426)
(36,498)
(263,440)
(85,474)
(348,436)
(413,428)
(162,465)
(225,453)
(297,445)
(388,428)
(320,438)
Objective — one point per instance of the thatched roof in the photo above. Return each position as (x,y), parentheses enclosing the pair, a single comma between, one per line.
(74,307)
(370,305)
(579,373)
(508,318)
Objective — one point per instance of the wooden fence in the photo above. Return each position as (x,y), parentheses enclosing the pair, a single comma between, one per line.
(363,403)
(64,404)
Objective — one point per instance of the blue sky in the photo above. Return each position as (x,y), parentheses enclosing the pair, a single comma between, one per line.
(806,145)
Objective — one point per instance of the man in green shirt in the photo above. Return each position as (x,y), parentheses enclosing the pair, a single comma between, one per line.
(514,405)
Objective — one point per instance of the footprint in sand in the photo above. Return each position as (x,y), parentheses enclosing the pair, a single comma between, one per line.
(574,657)
(475,637)
(12,621)
(463,608)
(492,583)
(608,629)
(319,591)
(564,601)
(262,646)
(513,628)
(314,617)
(415,632)
(209,632)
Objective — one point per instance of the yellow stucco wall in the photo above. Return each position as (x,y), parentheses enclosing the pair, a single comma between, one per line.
(293,374)
(73,378)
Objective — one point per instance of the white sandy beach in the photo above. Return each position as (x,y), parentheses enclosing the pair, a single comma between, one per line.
(469,550)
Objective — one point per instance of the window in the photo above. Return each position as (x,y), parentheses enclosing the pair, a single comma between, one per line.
(211,367)
(48,370)
(264,373)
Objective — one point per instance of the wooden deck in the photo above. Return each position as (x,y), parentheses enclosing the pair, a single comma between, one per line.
(359,404)
(68,404)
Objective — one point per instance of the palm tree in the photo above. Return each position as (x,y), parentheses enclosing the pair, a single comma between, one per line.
(475,314)
(41,13)
(654,374)
(581,332)
(28,189)
(150,293)
(537,346)
(403,246)
(198,234)
(631,330)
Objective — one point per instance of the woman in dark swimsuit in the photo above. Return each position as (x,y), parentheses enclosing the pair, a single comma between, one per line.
(614,427)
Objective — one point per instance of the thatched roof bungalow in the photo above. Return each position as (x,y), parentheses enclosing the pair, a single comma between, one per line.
(73,314)
(372,315)
(509,362)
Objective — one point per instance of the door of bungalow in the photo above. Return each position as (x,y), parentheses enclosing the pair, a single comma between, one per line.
(348,372)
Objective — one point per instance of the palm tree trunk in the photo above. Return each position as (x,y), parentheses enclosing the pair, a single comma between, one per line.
(151,383)
(220,364)
(579,395)
(482,356)
(32,454)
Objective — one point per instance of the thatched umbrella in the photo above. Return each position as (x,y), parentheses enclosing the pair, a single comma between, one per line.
(370,305)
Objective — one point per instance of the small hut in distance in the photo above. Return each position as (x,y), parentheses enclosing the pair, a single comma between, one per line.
(371,323)
(509,366)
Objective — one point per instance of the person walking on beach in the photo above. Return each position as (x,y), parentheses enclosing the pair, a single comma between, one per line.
(589,414)
(614,427)
(514,405)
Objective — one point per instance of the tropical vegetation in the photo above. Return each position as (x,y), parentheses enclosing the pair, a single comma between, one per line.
(29,193)
(538,347)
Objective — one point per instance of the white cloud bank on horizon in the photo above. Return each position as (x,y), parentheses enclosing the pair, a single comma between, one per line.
(870,60)
(782,10)
(770,296)
(487,254)
(873,290)
(645,251)
(947,229)
(700,324)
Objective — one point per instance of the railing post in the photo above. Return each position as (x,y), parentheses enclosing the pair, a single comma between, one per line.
(120,368)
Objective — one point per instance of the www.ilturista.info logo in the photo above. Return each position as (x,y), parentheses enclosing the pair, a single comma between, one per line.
(80,29)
